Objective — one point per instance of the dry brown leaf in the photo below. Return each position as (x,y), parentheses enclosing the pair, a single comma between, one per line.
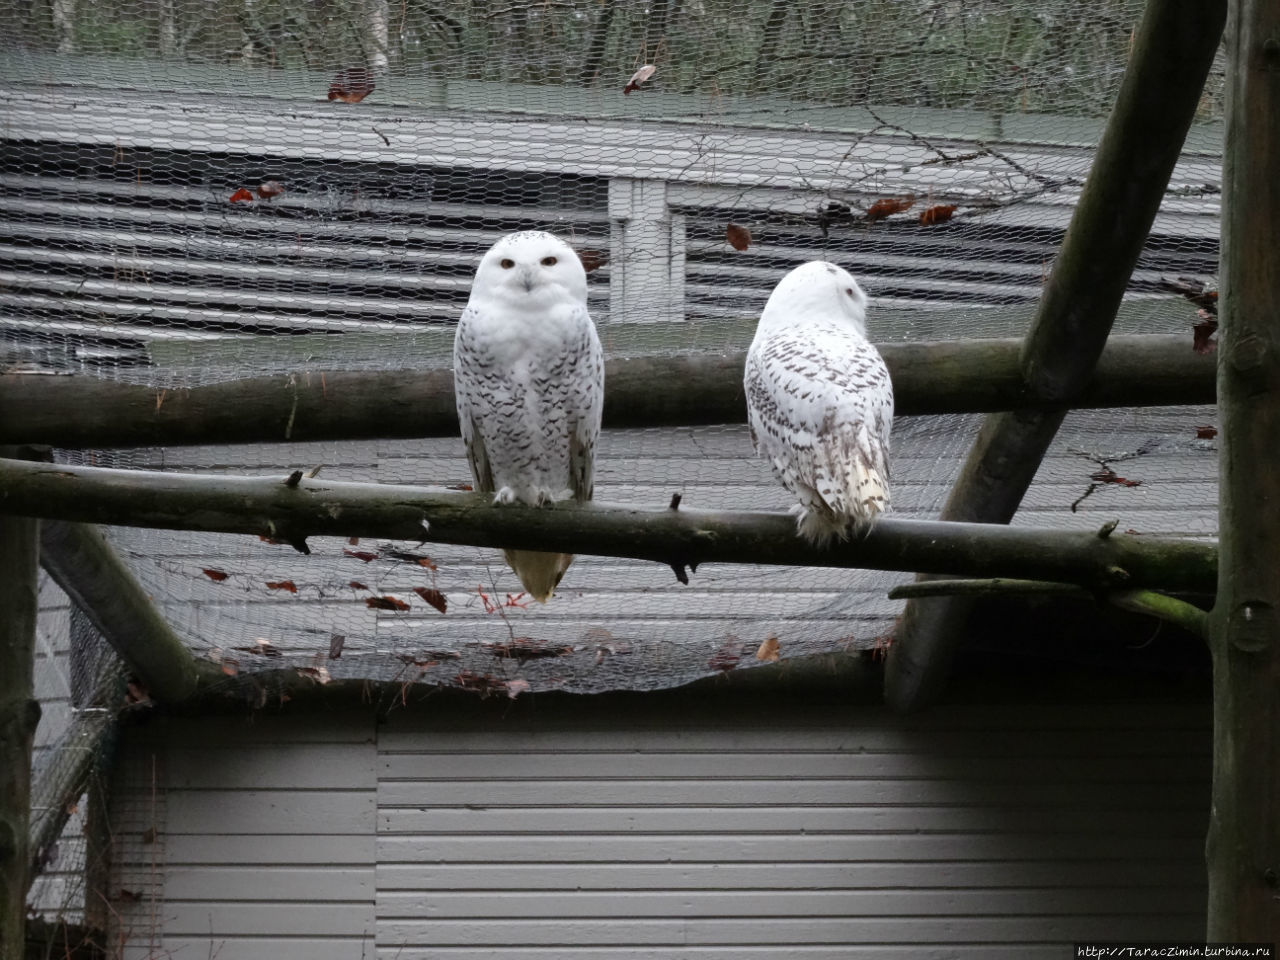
(362,555)
(593,260)
(937,214)
(1206,433)
(433,597)
(768,651)
(288,585)
(351,85)
(639,77)
(727,655)
(887,206)
(217,576)
(385,603)
(739,237)
(1202,334)
(270,188)
(241,196)
(336,642)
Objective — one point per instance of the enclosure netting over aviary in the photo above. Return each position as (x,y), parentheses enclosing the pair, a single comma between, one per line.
(208,191)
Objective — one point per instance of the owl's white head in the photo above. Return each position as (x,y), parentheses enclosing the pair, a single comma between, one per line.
(531,269)
(817,289)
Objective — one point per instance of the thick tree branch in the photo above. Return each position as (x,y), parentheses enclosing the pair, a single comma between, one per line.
(948,377)
(313,507)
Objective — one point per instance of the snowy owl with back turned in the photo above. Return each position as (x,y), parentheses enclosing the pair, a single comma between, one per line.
(529,377)
(819,401)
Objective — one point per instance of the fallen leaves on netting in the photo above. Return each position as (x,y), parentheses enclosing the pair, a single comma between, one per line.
(937,214)
(1206,433)
(351,85)
(639,77)
(420,559)
(262,648)
(768,651)
(464,487)
(1202,334)
(517,687)
(481,683)
(287,585)
(270,188)
(363,555)
(217,576)
(271,540)
(526,648)
(241,196)
(356,585)
(336,642)
(385,603)
(888,206)
(593,260)
(727,655)
(230,667)
(318,674)
(433,597)
(1196,291)
(1107,475)
(739,237)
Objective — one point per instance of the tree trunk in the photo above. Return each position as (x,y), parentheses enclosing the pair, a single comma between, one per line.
(19,713)
(1243,849)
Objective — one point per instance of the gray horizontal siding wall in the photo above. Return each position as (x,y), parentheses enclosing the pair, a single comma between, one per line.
(998,831)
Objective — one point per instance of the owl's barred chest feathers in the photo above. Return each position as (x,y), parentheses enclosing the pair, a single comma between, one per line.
(529,381)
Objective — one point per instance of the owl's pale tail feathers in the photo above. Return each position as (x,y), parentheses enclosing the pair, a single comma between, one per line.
(540,573)
(866,497)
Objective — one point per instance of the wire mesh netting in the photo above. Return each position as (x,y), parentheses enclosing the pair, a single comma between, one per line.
(205,192)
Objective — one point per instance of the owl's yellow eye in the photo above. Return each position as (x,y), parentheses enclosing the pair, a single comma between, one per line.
(548,261)
(507,263)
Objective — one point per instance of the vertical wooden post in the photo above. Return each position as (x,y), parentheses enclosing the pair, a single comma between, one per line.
(19,713)
(1243,849)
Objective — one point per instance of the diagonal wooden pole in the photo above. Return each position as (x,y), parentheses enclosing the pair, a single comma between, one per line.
(1243,849)
(1172,52)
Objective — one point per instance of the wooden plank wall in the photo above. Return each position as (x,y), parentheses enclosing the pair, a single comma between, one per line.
(996,831)
(242,841)
(59,889)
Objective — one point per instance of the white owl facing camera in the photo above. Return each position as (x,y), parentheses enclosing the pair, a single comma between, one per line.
(820,403)
(529,378)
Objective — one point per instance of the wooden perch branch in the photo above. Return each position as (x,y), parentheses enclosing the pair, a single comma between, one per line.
(949,377)
(267,506)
